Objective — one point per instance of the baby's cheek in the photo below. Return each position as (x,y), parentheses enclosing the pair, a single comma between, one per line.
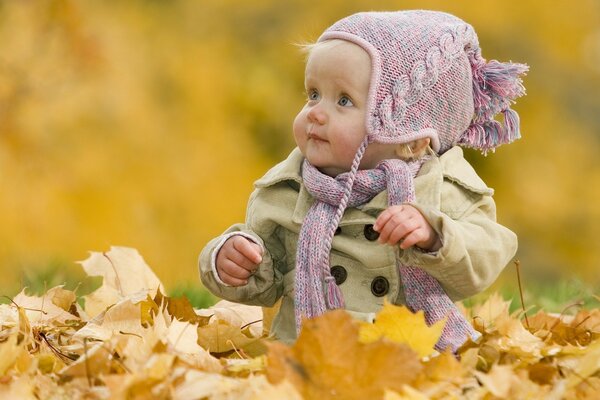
(300,135)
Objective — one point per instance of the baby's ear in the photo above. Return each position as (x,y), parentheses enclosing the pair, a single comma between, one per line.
(413,150)
(419,146)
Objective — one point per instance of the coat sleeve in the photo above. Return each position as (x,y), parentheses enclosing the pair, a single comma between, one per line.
(475,248)
(265,286)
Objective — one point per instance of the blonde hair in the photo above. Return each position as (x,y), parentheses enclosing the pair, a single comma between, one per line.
(308,47)
(405,151)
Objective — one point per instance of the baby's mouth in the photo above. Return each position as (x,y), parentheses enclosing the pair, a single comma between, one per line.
(315,137)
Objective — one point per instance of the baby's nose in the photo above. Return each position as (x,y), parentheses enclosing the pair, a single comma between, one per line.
(317,114)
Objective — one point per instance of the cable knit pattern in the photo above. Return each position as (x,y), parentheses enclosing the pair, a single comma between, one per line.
(316,290)
(429,80)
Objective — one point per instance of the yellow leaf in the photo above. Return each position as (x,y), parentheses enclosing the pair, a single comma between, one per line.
(125,275)
(236,315)
(487,313)
(41,309)
(400,325)
(9,352)
(588,365)
(498,381)
(328,361)
(220,337)
(408,393)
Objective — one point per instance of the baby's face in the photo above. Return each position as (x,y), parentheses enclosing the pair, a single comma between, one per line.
(331,126)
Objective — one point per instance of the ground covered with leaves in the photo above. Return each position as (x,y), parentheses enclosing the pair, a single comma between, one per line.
(129,341)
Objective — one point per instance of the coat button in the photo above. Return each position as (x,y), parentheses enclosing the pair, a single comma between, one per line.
(370,233)
(338,231)
(339,273)
(380,286)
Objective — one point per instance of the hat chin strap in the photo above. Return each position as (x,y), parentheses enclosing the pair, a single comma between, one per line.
(333,294)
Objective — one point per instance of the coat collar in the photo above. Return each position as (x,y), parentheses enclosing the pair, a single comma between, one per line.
(428,185)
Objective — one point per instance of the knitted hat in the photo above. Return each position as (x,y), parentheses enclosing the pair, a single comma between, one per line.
(428,79)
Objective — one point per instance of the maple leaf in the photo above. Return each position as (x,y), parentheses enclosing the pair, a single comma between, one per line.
(514,338)
(221,337)
(484,315)
(442,375)
(400,325)
(122,318)
(9,352)
(587,365)
(125,275)
(328,361)
(43,309)
(236,315)
(498,381)
(202,385)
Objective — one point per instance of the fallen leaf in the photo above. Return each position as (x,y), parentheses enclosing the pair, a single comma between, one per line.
(124,273)
(236,315)
(328,361)
(400,325)
(493,308)
(221,337)
(41,309)
(498,381)
(9,352)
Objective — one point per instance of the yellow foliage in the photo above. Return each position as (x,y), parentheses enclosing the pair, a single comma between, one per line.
(124,353)
(400,325)
(145,123)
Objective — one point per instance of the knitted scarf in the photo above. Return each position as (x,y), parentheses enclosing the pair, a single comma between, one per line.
(316,290)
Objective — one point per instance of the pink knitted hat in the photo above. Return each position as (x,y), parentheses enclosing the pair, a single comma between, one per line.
(429,79)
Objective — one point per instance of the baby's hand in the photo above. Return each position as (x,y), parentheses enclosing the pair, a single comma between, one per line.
(238,258)
(404,224)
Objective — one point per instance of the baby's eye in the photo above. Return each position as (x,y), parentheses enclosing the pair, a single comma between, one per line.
(313,95)
(345,101)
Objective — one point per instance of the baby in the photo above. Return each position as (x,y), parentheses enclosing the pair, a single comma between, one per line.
(377,200)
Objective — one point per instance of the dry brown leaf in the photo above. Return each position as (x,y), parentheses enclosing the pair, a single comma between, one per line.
(514,338)
(9,353)
(122,318)
(41,309)
(494,307)
(21,388)
(221,337)
(328,361)
(125,274)
(201,385)
(145,346)
(498,381)
(441,376)
(236,315)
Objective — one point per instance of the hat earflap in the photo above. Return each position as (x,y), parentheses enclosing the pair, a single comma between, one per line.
(496,85)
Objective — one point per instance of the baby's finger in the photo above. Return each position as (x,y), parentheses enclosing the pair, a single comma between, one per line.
(233,270)
(398,234)
(248,249)
(242,261)
(385,216)
(414,237)
(232,281)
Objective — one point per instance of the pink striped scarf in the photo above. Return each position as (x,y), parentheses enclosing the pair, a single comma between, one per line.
(316,290)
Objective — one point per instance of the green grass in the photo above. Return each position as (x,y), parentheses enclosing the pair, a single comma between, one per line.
(564,295)
(39,280)
(552,295)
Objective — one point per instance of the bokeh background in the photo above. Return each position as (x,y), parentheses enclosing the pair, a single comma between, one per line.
(144,124)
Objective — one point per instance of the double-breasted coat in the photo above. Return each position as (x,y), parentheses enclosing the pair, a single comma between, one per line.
(451,196)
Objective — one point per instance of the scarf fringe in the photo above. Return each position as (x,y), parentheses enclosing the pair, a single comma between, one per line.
(496,85)
(333,294)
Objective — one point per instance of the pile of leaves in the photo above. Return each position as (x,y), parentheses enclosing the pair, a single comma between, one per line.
(129,341)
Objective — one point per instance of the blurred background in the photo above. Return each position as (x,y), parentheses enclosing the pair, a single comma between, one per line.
(144,124)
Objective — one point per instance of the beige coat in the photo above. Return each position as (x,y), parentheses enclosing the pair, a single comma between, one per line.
(455,201)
